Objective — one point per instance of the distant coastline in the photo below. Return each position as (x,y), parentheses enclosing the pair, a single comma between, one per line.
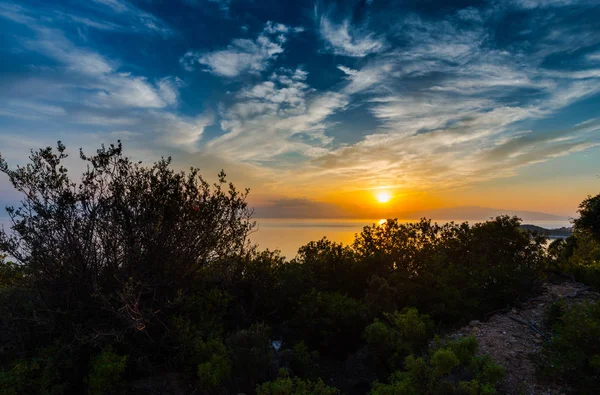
(558,233)
(315,210)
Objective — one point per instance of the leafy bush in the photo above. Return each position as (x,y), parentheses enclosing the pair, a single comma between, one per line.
(11,274)
(589,217)
(452,367)
(45,373)
(285,385)
(302,360)
(573,354)
(252,356)
(578,255)
(331,267)
(114,251)
(105,373)
(454,272)
(403,333)
(330,322)
(214,373)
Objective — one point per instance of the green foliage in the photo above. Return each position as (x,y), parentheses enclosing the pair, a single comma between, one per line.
(451,368)
(11,274)
(214,373)
(286,385)
(106,373)
(252,356)
(574,352)
(578,255)
(403,333)
(589,217)
(116,249)
(42,374)
(330,322)
(331,267)
(302,360)
(454,272)
(443,361)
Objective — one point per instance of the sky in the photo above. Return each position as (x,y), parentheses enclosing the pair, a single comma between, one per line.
(318,106)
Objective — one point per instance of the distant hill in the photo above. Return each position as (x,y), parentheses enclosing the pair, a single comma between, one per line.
(306,208)
(559,232)
(480,213)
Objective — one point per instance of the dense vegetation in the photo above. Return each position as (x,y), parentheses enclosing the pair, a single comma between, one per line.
(135,272)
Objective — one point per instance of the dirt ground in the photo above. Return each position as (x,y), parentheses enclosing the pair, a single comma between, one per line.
(511,336)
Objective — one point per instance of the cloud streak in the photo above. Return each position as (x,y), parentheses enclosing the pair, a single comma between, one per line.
(345,40)
(242,55)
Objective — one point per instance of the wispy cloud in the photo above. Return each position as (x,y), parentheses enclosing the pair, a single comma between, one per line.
(449,106)
(280,116)
(347,40)
(87,88)
(106,15)
(223,5)
(545,3)
(242,55)
(140,19)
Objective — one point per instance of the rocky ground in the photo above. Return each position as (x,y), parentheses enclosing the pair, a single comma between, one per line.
(511,336)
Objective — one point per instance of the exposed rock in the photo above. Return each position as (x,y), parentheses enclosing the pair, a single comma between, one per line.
(511,337)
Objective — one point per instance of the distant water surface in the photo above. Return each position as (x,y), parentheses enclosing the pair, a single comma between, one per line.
(287,235)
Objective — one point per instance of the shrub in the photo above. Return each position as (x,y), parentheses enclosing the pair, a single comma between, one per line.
(302,360)
(589,217)
(214,373)
(286,385)
(454,272)
(574,350)
(252,356)
(451,368)
(403,333)
(11,274)
(105,373)
(582,260)
(331,267)
(330,322)
(44,373)
(443,361)
(137,236)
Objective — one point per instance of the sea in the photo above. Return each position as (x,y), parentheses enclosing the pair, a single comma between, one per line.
(287,235)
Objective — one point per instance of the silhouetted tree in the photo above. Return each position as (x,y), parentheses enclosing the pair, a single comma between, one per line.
(124,243)
(589,217)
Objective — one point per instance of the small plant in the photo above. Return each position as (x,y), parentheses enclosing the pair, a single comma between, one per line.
(252,356)
(286,385)
(215,371)
(573,354)
(443,361)
(451,368)
(302,360)
(105,373)
(38,375)
(404,333)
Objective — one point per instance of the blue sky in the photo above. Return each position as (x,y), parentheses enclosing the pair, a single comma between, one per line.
(318,101)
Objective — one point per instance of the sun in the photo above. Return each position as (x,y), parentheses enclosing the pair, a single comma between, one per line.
(383,197)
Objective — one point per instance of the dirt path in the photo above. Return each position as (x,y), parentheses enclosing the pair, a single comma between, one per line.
(509,337)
